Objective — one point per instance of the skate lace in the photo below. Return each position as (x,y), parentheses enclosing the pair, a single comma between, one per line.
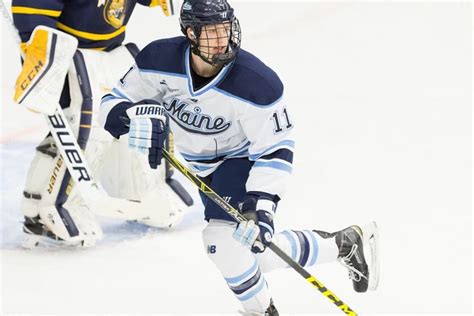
(354,274)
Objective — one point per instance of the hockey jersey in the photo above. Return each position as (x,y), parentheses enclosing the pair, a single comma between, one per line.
(98,24)
(240,113)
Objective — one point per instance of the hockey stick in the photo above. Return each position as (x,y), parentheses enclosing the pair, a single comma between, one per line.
(76,164)
(229,209)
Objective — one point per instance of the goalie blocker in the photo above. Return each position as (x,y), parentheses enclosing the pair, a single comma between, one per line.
(54,210)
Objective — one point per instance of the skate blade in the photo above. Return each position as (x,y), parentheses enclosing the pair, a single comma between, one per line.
(36,241)
(371,250)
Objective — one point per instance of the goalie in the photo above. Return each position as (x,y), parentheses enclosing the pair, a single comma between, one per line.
(78,83)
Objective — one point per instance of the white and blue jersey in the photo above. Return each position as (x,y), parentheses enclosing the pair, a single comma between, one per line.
(241,113)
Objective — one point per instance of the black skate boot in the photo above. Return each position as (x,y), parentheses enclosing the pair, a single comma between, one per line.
(271,310)
(351,255)
(37,233)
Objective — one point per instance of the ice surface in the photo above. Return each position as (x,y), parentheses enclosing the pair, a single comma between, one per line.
(381,97)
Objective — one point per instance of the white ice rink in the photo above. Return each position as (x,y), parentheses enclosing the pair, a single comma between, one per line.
(381,96)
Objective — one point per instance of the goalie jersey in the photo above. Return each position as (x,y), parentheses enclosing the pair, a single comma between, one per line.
(240,113)
(98,24)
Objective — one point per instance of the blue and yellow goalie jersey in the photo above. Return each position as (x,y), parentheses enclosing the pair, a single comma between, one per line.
(97,24)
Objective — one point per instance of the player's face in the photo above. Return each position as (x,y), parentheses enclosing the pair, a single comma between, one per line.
(214,39)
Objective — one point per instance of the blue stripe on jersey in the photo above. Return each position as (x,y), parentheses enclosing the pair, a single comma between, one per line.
(107,97)
(240,154)
(220,156)
(283,143)
(282,154)
(244,276)
(202,168)
(273,164)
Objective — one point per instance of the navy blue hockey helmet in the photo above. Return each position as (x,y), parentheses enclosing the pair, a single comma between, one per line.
(212,23)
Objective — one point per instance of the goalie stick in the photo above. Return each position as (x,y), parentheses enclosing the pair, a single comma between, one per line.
(229,209)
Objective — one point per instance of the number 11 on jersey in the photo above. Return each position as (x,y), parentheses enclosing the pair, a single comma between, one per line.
(281,121)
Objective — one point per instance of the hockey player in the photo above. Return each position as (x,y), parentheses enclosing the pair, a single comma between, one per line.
(232,125)
(99,27)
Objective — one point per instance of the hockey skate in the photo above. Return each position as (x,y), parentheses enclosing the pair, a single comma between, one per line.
(38,235)
(358,253)
(271,311)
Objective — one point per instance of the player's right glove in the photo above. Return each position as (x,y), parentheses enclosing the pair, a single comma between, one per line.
(148,130)
(257,232)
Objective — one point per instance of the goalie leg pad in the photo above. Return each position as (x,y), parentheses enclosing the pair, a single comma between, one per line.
(124,174)
(51,228)
(60,224)
(42,179)
(62,221)
(127,175)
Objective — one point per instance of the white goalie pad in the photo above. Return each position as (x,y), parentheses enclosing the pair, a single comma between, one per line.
(48,57)
(123,173)
(88,229)
(139,193)
(131,178)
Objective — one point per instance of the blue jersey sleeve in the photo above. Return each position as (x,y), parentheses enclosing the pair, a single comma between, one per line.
(28,14)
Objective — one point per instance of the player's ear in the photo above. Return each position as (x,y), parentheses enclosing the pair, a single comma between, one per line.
(190,34)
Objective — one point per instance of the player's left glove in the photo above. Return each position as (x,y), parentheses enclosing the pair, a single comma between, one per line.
(257,232)
(148,130)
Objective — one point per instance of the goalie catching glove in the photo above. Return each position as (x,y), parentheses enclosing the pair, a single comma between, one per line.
(48,56)
(257,232)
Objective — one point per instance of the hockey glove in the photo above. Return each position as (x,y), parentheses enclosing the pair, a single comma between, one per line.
(148,130)
(257,232)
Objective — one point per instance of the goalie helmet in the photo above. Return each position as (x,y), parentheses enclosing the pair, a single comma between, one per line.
(203,15)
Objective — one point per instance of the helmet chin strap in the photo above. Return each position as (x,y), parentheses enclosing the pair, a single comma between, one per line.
(222,59)
(217,60)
